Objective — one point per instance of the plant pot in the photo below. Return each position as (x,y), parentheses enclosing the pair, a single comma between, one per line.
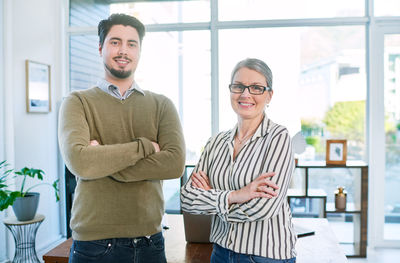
(25,207)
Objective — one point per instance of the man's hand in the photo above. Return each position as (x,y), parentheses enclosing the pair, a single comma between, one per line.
(262,186)
(156,146)
(200,180)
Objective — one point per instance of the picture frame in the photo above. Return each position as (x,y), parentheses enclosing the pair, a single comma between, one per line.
(38,89)
(336,152)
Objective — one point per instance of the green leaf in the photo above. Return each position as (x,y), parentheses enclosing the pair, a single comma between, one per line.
(7,200)
(56,189)
(3,164)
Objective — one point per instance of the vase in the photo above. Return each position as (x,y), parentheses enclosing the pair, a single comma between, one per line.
(340,199)
(25,207)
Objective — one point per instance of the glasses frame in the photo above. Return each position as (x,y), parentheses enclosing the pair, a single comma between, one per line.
(248,88)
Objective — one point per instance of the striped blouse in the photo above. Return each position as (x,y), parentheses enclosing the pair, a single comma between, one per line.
(261,226)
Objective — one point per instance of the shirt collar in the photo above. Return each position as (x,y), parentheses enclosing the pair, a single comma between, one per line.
(107,86)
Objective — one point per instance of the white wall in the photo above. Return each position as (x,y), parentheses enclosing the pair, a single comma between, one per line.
(2,227)
(36,32)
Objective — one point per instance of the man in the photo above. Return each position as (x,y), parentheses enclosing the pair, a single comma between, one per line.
(120,142)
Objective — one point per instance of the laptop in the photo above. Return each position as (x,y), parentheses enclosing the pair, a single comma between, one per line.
(197,227)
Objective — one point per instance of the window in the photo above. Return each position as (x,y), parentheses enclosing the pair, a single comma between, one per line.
(327,62)
(387,8)
(317,50)
(85,64)
(180,69)
(392,130)
(306,63)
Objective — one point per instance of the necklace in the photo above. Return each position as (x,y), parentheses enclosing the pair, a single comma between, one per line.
(244,139)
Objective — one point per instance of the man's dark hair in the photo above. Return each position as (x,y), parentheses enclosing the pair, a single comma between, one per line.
(119,19)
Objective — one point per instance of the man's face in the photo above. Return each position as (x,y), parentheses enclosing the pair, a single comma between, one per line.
(120,52)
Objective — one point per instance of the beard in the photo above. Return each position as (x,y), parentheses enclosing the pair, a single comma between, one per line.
(120,74)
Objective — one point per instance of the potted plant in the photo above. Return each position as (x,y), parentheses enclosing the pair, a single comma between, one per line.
(23,201)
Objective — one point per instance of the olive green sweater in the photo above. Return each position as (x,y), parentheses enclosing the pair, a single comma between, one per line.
(119,182)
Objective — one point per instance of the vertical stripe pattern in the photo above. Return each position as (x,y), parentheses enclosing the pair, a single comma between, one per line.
(260,226)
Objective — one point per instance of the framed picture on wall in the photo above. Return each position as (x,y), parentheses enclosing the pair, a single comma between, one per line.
(336,152)
(37,87)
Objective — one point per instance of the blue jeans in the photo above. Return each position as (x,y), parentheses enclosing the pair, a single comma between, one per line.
(133,250)
(223,255)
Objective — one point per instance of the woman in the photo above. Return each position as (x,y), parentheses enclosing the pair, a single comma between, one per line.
(238,176)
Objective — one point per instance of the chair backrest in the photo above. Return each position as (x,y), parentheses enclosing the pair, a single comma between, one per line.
(197,227)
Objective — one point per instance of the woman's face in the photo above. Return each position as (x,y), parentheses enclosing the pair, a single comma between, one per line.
(246,105)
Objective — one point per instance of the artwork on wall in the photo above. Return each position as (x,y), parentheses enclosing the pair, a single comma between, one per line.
(336,152)
(37,87)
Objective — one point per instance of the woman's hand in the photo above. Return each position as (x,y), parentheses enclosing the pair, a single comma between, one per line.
(156,147)
(200,180)
(262,186)
(94,143)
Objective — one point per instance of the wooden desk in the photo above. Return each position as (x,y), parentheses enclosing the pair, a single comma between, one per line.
(321,247)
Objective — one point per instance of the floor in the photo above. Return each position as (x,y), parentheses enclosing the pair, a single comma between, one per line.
(381,255)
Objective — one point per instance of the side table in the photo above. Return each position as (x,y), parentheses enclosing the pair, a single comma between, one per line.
(24,233)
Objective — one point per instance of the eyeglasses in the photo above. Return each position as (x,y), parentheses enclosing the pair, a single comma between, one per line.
(253,89)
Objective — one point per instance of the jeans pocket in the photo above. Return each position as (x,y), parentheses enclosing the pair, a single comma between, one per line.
(157,241)
(257,259)
(92,250)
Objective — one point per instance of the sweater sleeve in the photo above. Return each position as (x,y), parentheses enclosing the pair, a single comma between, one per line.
(170,161)
(93,162)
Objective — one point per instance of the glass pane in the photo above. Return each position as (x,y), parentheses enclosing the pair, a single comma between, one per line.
(328,180)
(318,71)
(171,189)
(166,12)
(180,69)
(306,207)
(87,12)
(90,12)
(298,185)
(288,9)
(345,227)
(387,8)
(392,129)
(86,65)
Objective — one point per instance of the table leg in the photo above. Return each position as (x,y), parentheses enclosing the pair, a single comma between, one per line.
(24,237)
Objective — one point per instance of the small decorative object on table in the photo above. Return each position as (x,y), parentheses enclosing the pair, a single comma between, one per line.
(340,198)
(336,152)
